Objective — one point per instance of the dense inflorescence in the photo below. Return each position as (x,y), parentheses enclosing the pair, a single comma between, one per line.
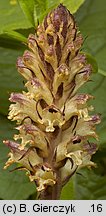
(53,119)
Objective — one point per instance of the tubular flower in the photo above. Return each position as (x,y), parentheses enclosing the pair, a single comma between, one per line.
(53,120)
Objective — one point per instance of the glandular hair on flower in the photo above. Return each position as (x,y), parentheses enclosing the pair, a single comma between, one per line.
(53,120)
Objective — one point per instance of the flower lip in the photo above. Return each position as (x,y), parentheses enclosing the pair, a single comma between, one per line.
(12,145)
(35,82)
(20,63)
(91,148)
(17,97)
(82,98)
(95,119)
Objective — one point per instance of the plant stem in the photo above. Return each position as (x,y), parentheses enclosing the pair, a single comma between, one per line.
(51,193)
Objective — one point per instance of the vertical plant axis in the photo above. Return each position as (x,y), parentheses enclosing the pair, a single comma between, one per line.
(53,120)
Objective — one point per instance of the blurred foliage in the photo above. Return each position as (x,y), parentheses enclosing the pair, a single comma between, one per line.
(12,17)
(92,21)
(15,27)
(68,191)
(35,10)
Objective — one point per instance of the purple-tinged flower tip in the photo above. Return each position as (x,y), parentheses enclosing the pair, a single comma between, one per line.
(95,119)
(17,97)
(28,56)
(81,58)
(90,148)
(87,71)
(20,63)
(23,70)
(83,98)
(35,82)
(12,145)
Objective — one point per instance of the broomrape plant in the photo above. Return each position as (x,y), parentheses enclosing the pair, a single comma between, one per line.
(53,120)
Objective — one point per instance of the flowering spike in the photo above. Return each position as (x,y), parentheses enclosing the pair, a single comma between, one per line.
(53,119)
